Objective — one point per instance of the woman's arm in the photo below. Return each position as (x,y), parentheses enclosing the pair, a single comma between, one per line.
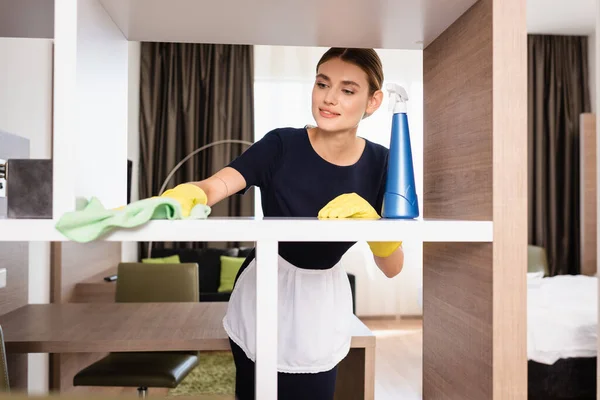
(221,185)
(391,265)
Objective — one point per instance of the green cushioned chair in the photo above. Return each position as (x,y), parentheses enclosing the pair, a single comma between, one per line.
(138,283)
(537,261)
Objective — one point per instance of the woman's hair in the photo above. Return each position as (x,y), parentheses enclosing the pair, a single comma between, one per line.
(365,59)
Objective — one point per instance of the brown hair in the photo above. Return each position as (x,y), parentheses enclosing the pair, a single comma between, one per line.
(365,59)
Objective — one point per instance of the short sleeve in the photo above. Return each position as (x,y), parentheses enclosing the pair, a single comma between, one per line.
(258,163)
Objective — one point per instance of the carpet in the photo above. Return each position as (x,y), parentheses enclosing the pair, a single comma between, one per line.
(215,374)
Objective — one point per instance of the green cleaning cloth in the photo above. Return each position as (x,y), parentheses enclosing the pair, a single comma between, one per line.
(92,220)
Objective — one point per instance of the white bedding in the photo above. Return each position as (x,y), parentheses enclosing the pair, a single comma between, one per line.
(562,316)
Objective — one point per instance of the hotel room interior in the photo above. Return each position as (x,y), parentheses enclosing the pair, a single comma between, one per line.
(498,296)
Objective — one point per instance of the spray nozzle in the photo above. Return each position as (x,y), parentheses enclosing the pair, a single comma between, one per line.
(398,98)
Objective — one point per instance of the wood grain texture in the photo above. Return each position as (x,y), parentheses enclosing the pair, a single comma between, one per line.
(588,171)
(457,321)
(457,118)
(475,167)
(76,262)
(95,289)
(71,264)
(15,258)
(510,199)
(76,328)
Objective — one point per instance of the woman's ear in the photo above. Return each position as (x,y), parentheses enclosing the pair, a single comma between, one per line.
(374,102)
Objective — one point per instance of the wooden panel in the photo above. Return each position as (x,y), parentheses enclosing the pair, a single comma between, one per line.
(76,262)
(510,199)
(15,258)
(457,118)
(457,278)
(457,321)
(350,383)
(587,141)
(72,263)
(475,167)
(95,289)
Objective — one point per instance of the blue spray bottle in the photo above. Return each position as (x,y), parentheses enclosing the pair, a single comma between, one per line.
(400,198)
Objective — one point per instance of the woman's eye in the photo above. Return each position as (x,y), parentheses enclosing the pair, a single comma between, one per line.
(348,92)
(321,85)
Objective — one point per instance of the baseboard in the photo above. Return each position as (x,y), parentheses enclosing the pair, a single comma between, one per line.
(389,317)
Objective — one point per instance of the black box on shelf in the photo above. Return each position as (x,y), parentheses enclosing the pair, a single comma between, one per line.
(29,188)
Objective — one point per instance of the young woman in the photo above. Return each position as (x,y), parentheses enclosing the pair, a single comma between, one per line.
(325,171)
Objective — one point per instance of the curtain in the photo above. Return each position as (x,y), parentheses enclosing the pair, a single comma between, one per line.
(192,95)
(557,94)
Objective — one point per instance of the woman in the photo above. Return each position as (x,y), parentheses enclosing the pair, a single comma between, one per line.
(325,171)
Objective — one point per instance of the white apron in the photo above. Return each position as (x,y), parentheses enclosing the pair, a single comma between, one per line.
(314,317)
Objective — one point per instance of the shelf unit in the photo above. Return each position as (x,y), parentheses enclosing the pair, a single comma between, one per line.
(475,164)
(251,230)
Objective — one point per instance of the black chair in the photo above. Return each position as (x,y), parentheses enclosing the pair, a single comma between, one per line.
(138,282)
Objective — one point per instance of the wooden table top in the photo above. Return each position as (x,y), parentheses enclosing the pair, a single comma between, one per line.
(106,327)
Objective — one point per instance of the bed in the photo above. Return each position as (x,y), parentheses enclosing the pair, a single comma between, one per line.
(562,314)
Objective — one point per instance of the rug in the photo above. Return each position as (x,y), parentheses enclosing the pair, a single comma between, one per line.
(215,374)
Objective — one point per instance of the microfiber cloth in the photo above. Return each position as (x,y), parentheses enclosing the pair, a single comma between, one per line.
(93,220)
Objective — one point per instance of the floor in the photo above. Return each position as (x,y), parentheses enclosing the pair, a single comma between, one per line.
(398,362)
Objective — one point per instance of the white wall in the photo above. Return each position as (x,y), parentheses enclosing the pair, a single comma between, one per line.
(284,77)
(26,110)
(130,249)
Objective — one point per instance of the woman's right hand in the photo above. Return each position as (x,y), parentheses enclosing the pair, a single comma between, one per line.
(209,191)
(188,195)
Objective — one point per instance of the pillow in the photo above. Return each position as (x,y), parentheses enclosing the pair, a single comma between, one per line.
(535,275)
(230,267)
(174,259)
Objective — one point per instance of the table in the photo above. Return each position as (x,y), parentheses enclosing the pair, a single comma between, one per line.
(115,327)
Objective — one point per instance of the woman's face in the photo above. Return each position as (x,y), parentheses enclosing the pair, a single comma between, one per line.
(340,97)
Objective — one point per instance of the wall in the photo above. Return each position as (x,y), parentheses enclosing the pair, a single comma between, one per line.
(286,74)
(26,110)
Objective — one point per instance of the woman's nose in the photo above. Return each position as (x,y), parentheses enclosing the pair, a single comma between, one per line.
(330,97)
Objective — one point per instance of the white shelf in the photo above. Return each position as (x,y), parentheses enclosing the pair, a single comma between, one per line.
(401,24)
(251,229)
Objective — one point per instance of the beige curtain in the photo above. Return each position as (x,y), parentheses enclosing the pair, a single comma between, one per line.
(558,93)
(192,95)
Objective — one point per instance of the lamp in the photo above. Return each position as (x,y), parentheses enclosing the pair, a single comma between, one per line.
(183,161)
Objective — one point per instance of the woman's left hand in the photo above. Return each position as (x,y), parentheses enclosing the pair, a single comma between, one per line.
(348,205)
(352,206)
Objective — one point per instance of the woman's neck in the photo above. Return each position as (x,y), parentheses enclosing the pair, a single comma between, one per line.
(340,148)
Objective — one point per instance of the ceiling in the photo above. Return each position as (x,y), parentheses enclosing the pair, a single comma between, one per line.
(561,17)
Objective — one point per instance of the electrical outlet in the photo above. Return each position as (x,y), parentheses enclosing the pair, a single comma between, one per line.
(3,181)
(2,277)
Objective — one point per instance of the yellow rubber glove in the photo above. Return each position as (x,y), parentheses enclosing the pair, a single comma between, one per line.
(348,205)
(188,195)
(351,205)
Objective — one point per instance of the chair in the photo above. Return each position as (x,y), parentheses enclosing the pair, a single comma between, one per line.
(537,261)
(138,282)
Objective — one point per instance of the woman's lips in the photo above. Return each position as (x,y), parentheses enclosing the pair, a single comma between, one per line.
(328,114)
